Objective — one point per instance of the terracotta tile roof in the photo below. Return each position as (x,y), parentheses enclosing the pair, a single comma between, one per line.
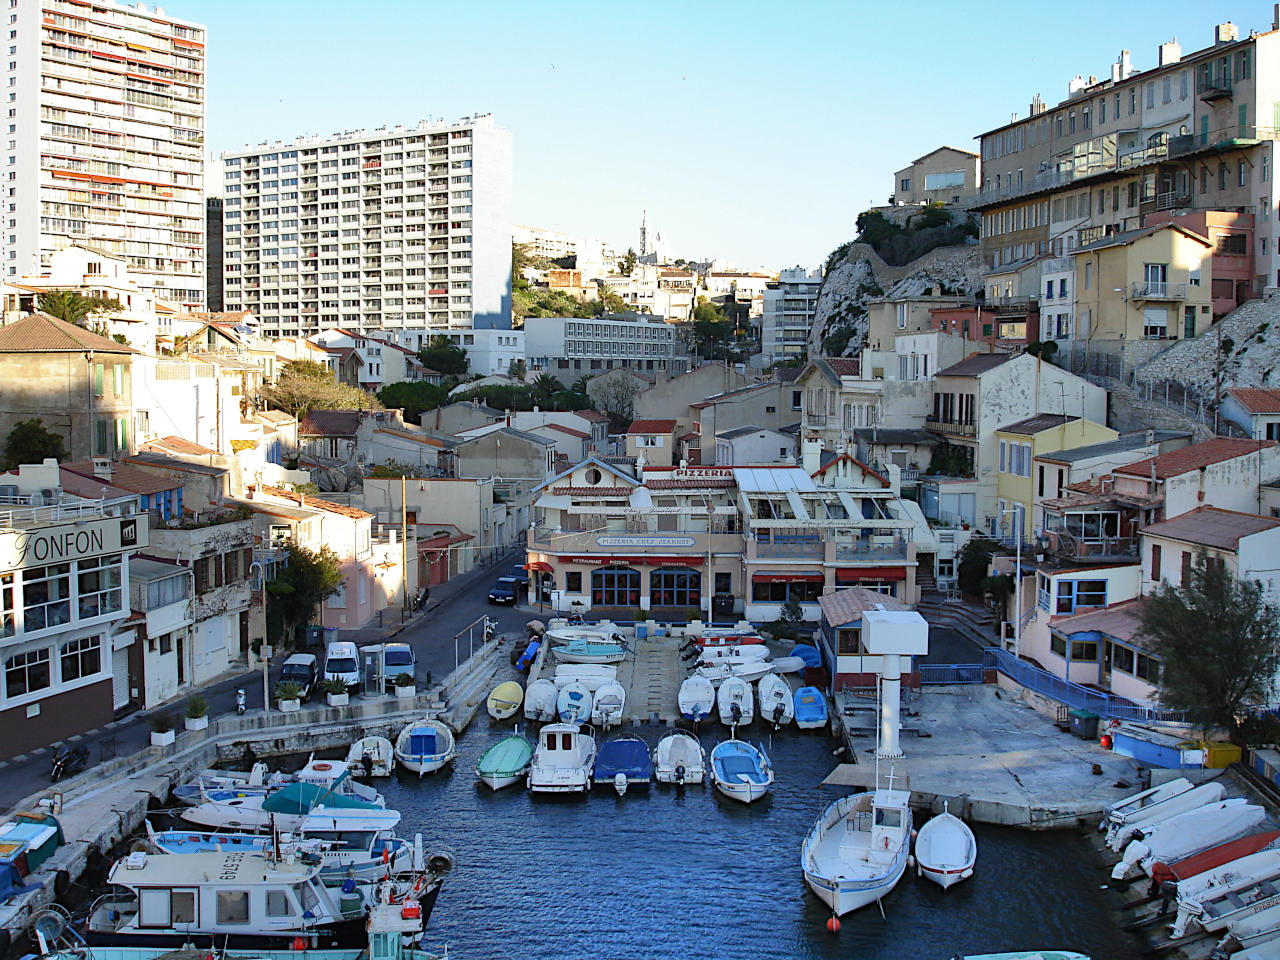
(843,366)
(569,430)
(1211,527)
(652,426)
(847,605)
(1194,457)
(316,502)
(708,483)
(126,478)
(40,333)
(1120,621)
(1257,399)
(177,445)
(607,492)
(330,423)
(786,374)
(228,316)
(592,415)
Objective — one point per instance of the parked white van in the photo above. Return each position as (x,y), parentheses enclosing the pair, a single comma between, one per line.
(342,662)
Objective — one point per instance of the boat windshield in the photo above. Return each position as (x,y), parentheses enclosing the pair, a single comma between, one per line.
(888,817)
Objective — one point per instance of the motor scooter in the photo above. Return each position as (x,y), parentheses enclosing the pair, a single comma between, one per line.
(240,701)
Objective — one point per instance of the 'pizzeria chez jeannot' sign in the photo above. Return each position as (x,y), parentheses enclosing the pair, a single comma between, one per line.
(72,541)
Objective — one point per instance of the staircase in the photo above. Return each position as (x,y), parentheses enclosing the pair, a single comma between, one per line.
(926,581)
(979,624)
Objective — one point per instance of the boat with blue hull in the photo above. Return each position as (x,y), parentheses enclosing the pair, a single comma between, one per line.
(810,708)
(622,763)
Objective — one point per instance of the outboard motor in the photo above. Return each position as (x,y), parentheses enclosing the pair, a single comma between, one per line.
(680,773)
(778,711)
(735,713)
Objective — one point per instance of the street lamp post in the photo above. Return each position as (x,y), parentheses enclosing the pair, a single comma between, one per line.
(1014,523)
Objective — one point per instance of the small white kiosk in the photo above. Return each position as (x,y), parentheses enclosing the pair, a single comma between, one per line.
(892,635)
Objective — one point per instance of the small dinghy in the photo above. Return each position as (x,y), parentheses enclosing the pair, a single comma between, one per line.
(424,746)
(590,675)
(810,708)
(1186,834)
(776,704)
(718,672)
(562,760)
(740,770)
(726,637)
(525,660)
(697,699)
(505,763)
(606,705)
(945,849)
(622,762)
(1224,853)
(372,757)
(540,701)
(505,700)
(746,653)
(678,758)
(735,702)
(1240,874)
(1122,808)
(1122,825)
(808,653)
(1252,929)
(591,650)
(788,664)
(573,703)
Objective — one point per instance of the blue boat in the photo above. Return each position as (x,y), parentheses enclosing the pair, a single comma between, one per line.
(811,708)
(530,654)
(741,770)
(809,654)
(622,762)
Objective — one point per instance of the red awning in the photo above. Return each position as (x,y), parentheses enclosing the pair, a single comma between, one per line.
(782,576)
(859,574)
(538,567)
(636,561)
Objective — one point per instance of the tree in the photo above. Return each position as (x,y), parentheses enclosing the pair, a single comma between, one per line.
(971,571)
(790,617)
(309,578)
(75,307)
(580,385)
(302,388)
(310,369)
(415,397)
(1216,639)
(627,263)
(614,395)
(444,356)
(544,387)
(30,442)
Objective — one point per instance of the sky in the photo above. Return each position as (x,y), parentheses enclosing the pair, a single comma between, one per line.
(751,132)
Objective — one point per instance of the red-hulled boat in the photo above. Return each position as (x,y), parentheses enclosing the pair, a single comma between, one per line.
(1214,857)
(726,638)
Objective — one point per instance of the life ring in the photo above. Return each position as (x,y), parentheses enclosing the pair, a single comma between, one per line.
(322,766)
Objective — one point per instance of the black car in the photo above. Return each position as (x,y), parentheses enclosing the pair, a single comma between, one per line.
(505,590)
(520,575)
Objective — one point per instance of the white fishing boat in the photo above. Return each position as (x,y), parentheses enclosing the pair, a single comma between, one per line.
(777,705)
(573,703)
(372,757)
(735,702)
(697,698)
(590,675)
(562,760)
(1239,874)
(560,630)
(1145,798)
(857,851)
(679,758)
(210,783)
(607,704)
(287,806)
(425,746)
(740,770)
(1187,834)
(945,849)
(740,635)
(747,653)
(1122,827)
(717,673)
(591,649)
(1221,908)
(540,701)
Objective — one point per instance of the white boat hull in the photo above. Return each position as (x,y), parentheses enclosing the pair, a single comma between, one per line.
(945,850)
(678,758)
(743,792)
(540,701)
(494,782)
(845,896)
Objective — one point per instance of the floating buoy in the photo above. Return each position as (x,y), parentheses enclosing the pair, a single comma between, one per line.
(833,925)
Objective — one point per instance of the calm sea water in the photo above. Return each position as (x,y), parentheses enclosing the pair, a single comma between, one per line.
(669,873)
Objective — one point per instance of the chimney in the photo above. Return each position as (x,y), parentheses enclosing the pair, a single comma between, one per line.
(103,468)
(1226,33)
(1151,437)
(811,455)
(1122,68)
(1168,53)
(1037,106)
(1075,86)
(1275,17)
(935,290)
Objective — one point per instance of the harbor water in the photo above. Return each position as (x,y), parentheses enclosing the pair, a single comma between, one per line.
(665,872)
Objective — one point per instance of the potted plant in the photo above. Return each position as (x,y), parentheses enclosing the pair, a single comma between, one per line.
(197,712)
(162,729)
(335,692)
(405,688)
(288,696)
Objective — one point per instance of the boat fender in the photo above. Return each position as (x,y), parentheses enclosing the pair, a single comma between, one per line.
(386,854)
(61,883)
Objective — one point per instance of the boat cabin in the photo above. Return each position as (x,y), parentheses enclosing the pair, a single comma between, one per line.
(890,817)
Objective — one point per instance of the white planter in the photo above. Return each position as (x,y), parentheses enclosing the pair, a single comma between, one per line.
(337,699)
(197,723)
(406,693)
(159,739)
(288,706)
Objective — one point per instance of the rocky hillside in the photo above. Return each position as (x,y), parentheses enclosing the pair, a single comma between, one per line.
(1241,350)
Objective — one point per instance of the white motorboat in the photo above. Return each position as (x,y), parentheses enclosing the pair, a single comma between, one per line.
(740,770)
(857,851)
(540,701)
(697,698)
(1239,874)
(788,664)
(329,786)
(1221,908)
(379,753)
(561,630)
(777,704)
(425,746)
(1121,827)
(741,635)
(590,675)
(1187,834)
(606,705)
(745,653)
(717,673)
(573,703)
(562,760)
(1252,929)
(1267,950)
(1122,808)
(945,849)
(211,784)
(679,758)
(735,702)
(591,649)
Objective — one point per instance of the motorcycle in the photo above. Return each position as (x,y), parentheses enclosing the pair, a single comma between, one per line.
(240,701)
(68,761)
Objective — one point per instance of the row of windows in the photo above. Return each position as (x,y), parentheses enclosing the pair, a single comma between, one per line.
(32,671)
(46,598)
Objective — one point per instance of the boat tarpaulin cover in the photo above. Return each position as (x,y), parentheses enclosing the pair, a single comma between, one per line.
(300,798)
(422,742)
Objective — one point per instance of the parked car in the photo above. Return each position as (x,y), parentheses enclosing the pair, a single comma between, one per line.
(504,591)
(300,668)
(342,662)
(397,659)
(520,575)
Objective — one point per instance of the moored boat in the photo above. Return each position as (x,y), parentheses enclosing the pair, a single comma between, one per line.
(505,763)
(740,770)
(573,703)
(745,653)
(1188,833)
(1239,874)
(540,701)
(425,746)
(1145,798)
(562,760)
(735,702)
(504,700)
(857,850)
(590,675)
(776,704)
(1027,955)
(1223,853)
(679,758)
(1122,826)
(810,708)
(697,698)
(718,672)
(372,756)
(607,704)
(946,849)
(621,763)
(285,808)
(726,637)
(591,649)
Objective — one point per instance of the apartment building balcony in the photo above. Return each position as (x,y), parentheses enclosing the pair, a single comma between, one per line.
(889,548)
(1011,306)
(1172,199)
(816,419)
(1215,88)
(1099,549)
(772,546)
(950,428)
(628,540)
(1159,290)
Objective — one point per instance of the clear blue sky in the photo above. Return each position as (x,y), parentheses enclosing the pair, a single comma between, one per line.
(752,131)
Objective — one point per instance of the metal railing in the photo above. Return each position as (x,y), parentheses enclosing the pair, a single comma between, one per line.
(1159,290)
(951,429)
(807,549)
(952,672)
(868,550)
(32,509)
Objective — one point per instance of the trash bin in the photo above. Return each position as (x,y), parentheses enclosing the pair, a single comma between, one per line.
(315,636)
(1218,755)
(1084,724)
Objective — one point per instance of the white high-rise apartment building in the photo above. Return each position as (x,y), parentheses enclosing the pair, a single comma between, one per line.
(105,113)
(407,229)
(789,308)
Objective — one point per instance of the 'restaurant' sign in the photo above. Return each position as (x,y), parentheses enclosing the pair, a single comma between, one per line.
(72,541)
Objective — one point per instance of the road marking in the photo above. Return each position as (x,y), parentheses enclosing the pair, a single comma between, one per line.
(39,750)
(19,758)
(79,736)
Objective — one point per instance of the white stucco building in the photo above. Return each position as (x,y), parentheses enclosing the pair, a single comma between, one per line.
(789,306)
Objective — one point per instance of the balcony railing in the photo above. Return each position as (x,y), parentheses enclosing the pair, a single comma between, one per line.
(1215,88)
(1069,546)
(1172,199)
(875,549)
(799,549)
(1159,290)
(951,429)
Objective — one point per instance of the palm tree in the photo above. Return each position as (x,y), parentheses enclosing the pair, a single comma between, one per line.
(75,307)
(580,386)
(544,387)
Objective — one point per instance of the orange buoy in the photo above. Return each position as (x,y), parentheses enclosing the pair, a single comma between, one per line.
(299,943)
(833,925)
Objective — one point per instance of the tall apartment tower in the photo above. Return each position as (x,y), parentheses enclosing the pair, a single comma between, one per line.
(106,115)
(407,229)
